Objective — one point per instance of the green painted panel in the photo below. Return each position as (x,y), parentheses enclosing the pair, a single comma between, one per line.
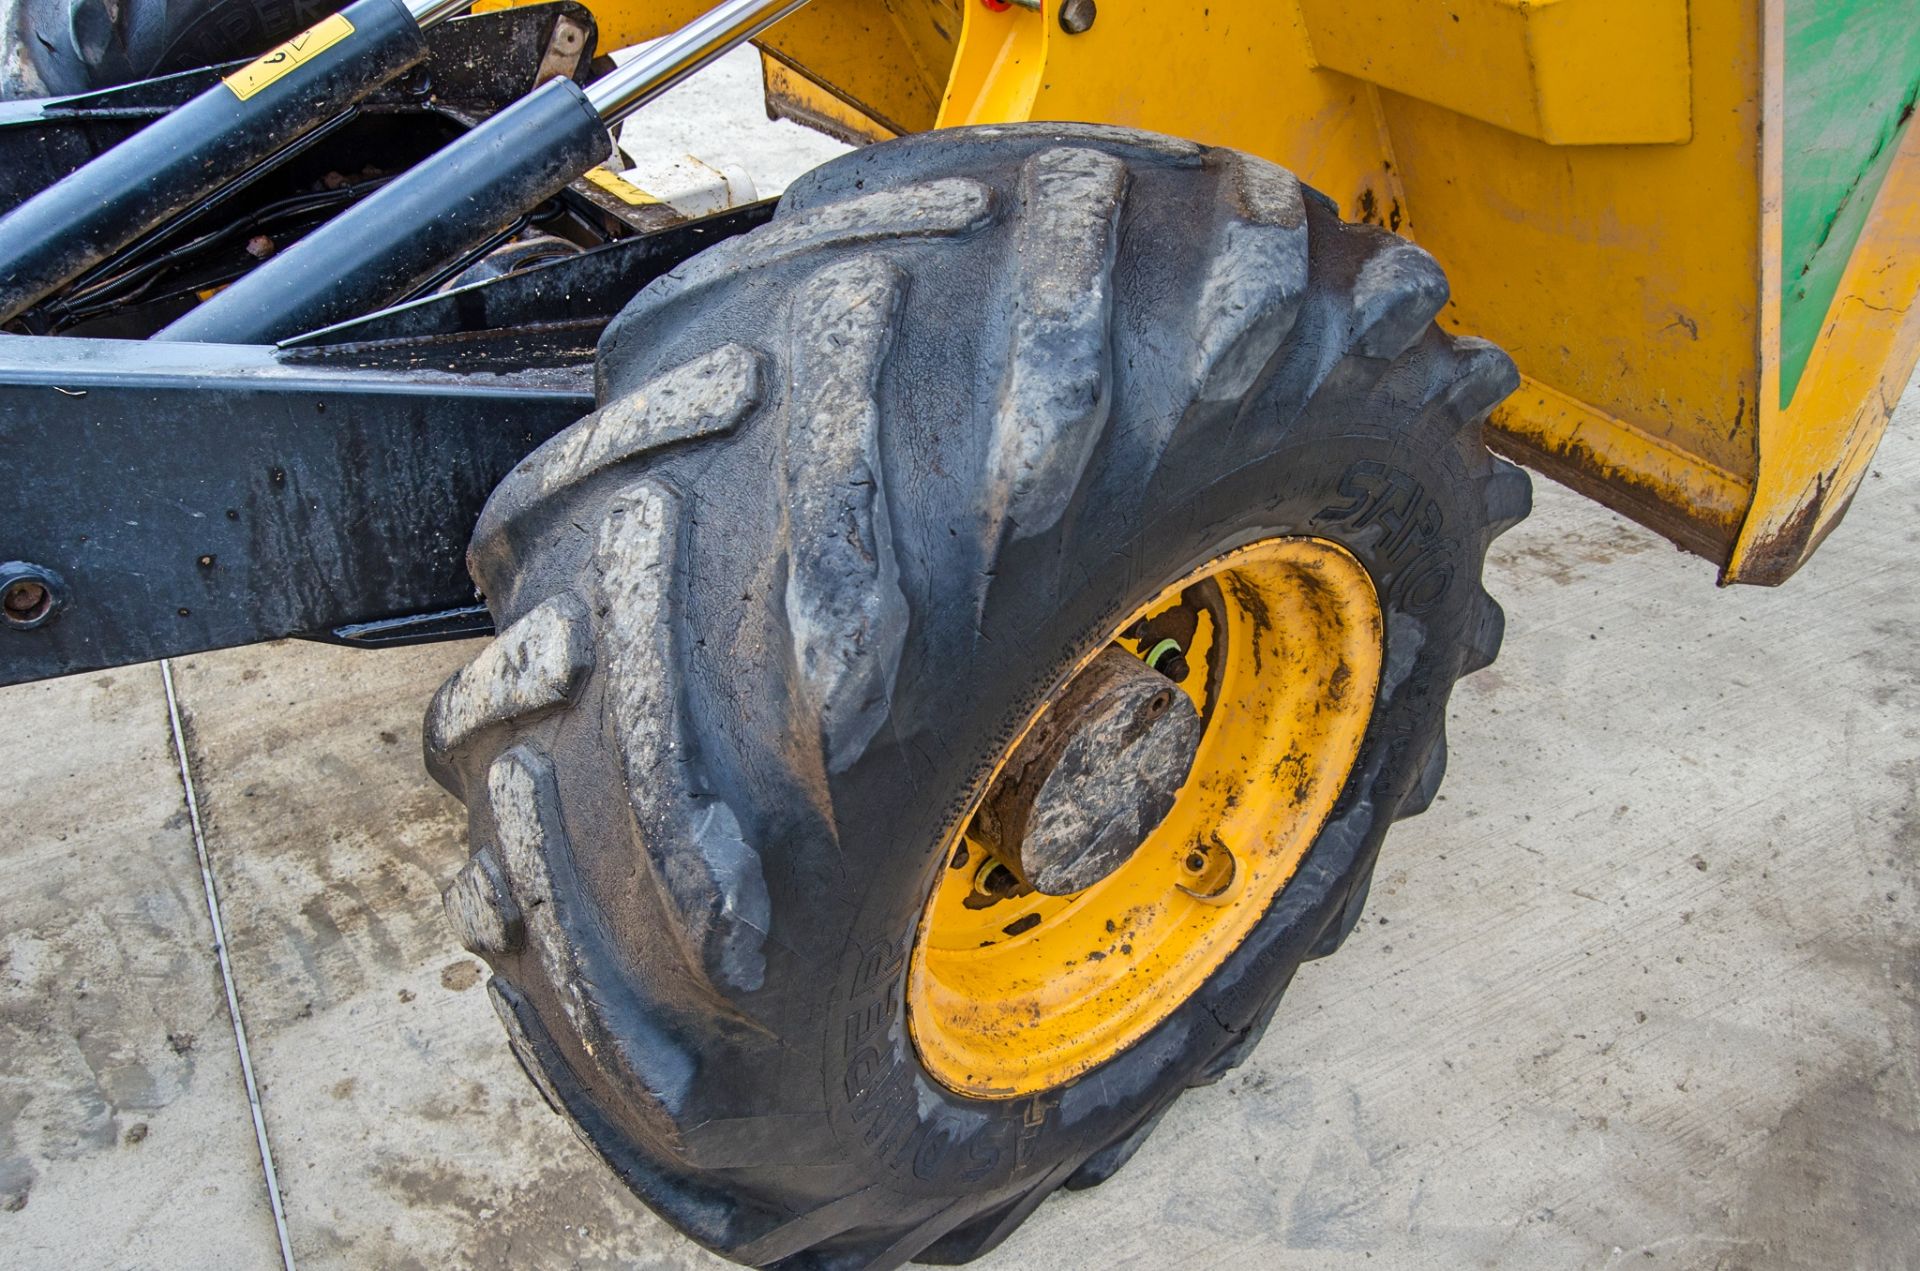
(1852,77)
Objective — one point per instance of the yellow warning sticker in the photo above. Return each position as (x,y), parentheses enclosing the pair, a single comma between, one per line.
(619,187)
(304,47)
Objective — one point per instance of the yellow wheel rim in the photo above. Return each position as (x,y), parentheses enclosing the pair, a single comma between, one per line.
(1012,991)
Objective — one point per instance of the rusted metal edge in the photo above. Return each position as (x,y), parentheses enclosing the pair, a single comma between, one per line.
(1690,502)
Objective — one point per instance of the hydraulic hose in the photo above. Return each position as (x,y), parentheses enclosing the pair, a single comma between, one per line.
(196,149)
(456,200)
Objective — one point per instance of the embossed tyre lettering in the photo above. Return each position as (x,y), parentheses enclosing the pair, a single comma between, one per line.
(866,489)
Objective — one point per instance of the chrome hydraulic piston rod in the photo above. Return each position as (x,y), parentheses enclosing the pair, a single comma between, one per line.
(460,198)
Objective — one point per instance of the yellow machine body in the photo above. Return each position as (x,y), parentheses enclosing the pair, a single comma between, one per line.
(1694,224)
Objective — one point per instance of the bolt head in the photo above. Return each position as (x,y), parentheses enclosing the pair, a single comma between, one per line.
(25,598)
(1076,16)
(30,595)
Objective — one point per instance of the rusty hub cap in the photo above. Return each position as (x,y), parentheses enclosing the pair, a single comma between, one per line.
(1097,774)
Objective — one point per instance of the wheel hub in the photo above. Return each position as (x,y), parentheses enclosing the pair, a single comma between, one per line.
(1094,778)
(1137,829)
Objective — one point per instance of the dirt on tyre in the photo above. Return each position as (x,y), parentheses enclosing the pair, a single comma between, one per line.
(965,666)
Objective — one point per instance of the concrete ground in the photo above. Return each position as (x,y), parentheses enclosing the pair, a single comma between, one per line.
(1640,990)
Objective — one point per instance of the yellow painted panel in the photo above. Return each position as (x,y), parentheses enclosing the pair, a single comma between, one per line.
(931,29)
(998,68)
(1215,74)
(621,23)
(862,48)
(791,95)
(1572,72)
(1623,277)
(1612,71)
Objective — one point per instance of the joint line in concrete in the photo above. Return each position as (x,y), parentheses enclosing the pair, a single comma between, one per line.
(226,966)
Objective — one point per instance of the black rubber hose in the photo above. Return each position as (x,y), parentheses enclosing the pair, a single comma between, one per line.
(114,199)
(413,227)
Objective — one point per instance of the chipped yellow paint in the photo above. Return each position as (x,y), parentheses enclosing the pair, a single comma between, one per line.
(1651,479)
(1029,992)
(619,187)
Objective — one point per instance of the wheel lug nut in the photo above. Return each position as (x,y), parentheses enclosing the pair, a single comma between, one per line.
(1210,869)
(1076,16)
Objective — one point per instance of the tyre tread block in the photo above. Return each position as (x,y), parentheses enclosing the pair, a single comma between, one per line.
(1054,403)
(706,397)
(1254,282)
(947,207)
(1396,296)
(844,608)
(692,840)
(534,666)
(1488,632)
(1509,496)
(1427,788)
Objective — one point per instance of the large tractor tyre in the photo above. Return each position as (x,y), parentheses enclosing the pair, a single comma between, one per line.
(964,667)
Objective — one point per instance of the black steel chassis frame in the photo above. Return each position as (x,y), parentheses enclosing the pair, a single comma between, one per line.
(175,498)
